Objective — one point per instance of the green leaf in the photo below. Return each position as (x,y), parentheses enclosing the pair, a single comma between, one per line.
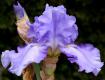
(37,71)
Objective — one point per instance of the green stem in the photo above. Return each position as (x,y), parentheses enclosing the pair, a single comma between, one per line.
(37,71)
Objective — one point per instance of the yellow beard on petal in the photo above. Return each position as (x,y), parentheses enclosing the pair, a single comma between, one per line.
(69,45)
(53,53)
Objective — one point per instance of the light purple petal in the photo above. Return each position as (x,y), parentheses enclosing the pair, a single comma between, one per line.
(86,56)
(19,10)
(31,31)
(29,54)
(54,27)
(5,58)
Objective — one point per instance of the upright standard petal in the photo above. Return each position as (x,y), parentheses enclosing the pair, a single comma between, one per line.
(86,56)
(19,61)
(54,27)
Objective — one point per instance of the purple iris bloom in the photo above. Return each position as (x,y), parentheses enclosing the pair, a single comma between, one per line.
(57,30)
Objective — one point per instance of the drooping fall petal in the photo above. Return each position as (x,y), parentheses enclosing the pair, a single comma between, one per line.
(32,53)
(86,56)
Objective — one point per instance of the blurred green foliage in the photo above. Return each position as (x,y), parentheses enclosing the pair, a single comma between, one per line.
(90,15)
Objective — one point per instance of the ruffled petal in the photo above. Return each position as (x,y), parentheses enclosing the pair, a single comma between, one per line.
(86,56)
(29,54)
(5,58)
(54,27)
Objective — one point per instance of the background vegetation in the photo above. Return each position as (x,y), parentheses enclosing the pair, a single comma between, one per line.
(90,16)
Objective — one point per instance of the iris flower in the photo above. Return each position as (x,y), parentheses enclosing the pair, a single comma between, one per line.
(56,30)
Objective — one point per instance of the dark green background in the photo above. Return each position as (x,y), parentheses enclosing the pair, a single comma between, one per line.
(90,15)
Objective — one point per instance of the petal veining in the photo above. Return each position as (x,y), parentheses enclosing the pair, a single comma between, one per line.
(54,27)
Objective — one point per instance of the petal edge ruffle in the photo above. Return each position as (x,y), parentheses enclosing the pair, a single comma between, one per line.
(32,53)
(86,56)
